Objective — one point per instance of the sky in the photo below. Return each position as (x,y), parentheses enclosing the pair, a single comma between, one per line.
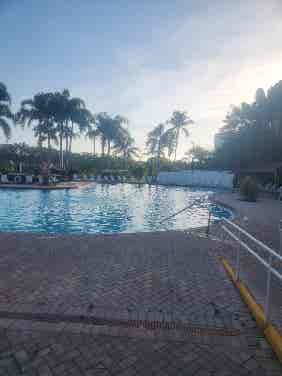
(142,59)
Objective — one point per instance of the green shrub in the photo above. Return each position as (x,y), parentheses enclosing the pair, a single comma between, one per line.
(249,189)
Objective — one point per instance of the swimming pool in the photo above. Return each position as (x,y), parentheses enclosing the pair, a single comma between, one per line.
(103,208)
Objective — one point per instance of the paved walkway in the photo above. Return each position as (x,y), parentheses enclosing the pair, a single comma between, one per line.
(145,304)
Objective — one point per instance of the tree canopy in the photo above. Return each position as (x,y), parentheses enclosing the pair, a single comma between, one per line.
(253,132)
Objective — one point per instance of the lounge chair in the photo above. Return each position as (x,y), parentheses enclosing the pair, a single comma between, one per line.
(17,179)
(76,177)
(52,179)
(4,179)
(28,179)
(40,179)
(105,178)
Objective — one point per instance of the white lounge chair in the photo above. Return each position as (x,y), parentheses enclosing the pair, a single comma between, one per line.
(28,179)
(40,179)
(52,179)
(4,179)
(76,177)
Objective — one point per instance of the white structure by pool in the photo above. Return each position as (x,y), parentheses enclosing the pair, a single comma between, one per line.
(197,178)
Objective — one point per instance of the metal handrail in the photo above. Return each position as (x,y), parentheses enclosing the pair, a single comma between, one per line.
(175,214)
(265,263)
(264,246)
(268,265)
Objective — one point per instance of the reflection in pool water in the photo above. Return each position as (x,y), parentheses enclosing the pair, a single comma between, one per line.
(106,208)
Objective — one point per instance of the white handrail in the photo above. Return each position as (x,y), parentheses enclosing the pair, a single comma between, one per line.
(268,265)
(264,246)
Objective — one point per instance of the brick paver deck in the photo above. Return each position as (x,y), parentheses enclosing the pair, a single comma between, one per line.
(52,287)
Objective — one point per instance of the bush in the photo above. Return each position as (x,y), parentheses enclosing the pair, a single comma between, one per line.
(249,189)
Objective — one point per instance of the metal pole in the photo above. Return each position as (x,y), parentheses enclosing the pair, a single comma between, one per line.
(238,259)
(268,282)
(280,231)
(209,223)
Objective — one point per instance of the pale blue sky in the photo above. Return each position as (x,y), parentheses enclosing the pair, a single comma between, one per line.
(142,59)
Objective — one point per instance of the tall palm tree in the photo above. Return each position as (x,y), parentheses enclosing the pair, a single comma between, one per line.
(125,145)
(80,119)
(179,121)
(37,112)
(156,143)
(109,129)
(103,121)
(71,117)
(5,111)
(92,134)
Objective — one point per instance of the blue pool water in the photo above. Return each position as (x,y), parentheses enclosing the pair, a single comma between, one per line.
(105,209)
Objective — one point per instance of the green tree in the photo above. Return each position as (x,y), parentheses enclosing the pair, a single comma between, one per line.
(93,134)
(156,143)
(179,121)
(199,155)
(36,112)
(125,145)
(5,111)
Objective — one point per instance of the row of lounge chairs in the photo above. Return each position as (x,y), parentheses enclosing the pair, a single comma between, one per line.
(100,179)
(26,179)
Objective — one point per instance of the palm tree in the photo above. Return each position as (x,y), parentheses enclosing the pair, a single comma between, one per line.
(69,113)
(125,145)
(103,121)
(5,111)
(110,130)
(37,112)
(179,121)
(157,142)
(80,117)
(92,134)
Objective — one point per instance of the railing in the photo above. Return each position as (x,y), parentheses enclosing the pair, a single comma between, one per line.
(175,214)
(272,255)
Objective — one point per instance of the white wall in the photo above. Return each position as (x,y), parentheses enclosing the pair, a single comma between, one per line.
(199,178)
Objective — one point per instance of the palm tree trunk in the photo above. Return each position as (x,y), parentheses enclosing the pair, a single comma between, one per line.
(67,144)
(71,136)
(176,143)
(109,148)
(94,145)
(61,148)
(103,142)
(49,141)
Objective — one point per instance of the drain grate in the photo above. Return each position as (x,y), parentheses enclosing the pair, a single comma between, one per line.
(145,324)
